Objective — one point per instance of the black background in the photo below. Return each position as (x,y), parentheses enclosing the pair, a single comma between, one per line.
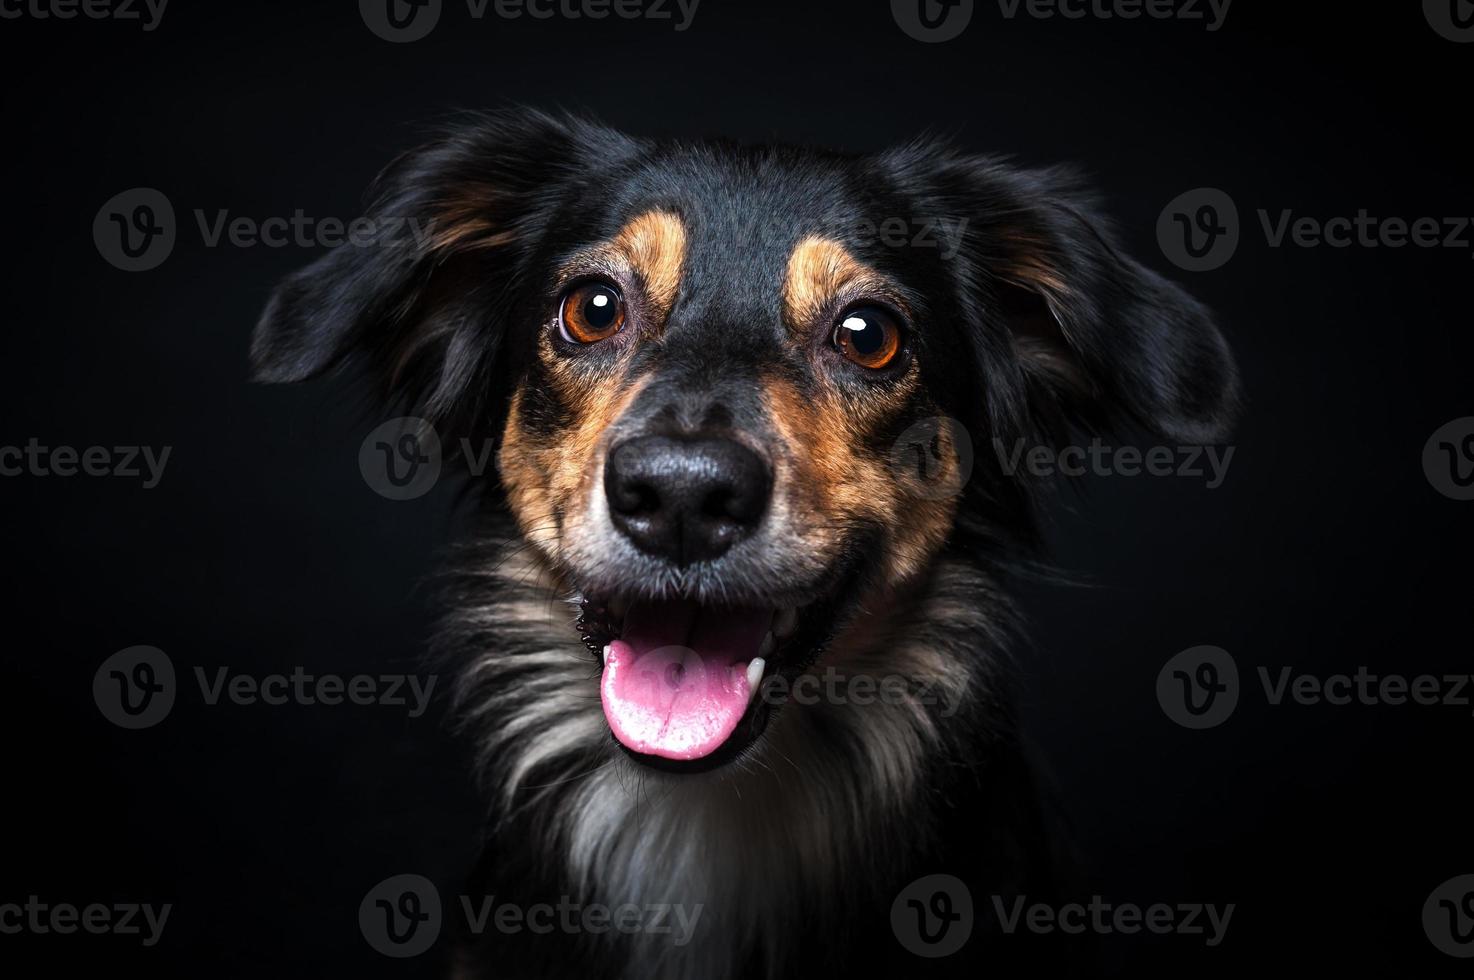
(263,549)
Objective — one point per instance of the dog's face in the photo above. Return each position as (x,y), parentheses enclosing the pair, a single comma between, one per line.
(699,362)
(702,438)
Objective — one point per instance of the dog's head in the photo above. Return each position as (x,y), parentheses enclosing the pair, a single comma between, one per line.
(705,364)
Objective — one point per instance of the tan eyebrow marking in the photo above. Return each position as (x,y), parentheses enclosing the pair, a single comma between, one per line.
(819,270)
(654,246)
(650,247)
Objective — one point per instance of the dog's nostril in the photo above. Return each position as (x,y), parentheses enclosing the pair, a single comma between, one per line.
(634,499)
(685,499)
(717,504)
(733,503)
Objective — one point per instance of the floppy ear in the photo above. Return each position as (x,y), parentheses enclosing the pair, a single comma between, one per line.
(416,293)
(1094,336)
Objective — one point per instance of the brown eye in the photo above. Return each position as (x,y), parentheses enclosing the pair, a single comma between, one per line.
(868,336)
(590,313)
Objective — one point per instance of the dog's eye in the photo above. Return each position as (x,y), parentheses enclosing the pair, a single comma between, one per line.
(590,313)
(869,336)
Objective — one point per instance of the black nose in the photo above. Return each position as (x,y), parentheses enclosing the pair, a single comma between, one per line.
(686,500)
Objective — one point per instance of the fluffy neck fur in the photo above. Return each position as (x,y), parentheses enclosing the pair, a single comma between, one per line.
(835,799)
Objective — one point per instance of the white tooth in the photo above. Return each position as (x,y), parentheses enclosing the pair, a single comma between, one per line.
(767,646)
(619,607)
(785,623)
(755,669)
(605,656)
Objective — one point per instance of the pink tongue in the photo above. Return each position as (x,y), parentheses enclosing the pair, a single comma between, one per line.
(675,685)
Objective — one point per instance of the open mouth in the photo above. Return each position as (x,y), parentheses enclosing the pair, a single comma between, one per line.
(682,681)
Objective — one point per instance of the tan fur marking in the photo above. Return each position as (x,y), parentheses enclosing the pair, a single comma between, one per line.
(829,474)
(819,270)
(546,480)
(654,246)
(837,479)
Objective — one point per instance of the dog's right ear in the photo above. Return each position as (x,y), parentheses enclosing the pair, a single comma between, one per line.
(415,292)
(1070,329)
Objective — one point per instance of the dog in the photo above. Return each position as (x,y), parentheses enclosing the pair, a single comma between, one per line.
(731,389)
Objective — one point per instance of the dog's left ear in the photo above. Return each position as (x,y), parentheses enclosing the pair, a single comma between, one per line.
(417,292)
(1096,336)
